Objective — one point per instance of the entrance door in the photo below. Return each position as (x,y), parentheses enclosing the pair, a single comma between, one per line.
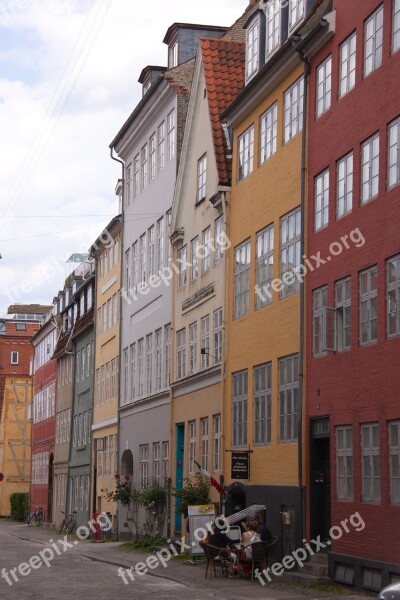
(180,457)
(320,497)
(50,490)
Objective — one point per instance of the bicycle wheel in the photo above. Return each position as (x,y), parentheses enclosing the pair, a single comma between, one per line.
(62,526)
(71,525)
(39,518)
(30,518)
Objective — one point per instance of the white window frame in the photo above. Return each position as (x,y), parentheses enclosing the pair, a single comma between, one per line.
(369,300)
(218,230)
(205,341)
(345,185)
(158,359)
(144,465)
(144,165)
(206,263)
(320,299)
(218,328)
(288,399)
(343,314)
(132,360)
(324,86)
(204,442)
(293,110)
(296,12)
(242,279)
(136,176)
(128,184)
(321,219)
(344,463)
(182,269)
(394,153)
(153,157)
(373,41)
(393,295)
(167,354)
(394,458)
(217,438)
(239,408)
(160,244)
(151,251)
(161,146)
(264,266)
(252,49)
(370,466)
(192,446)
(268,133)
(156,461)
(194,246)
(290,259)
(273,27)
(193,348)
(149,363)
(347,66)
(202,178)
(396,26)
(14,357)
(140,367)
(370,169)
(181,353)
(262,378)
(246,153)
(171,126)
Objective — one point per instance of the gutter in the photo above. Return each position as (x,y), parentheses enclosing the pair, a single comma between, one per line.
(119,160)
(303,200)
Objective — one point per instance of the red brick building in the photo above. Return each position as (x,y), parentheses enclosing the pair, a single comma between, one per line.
(43,417)
(353,297)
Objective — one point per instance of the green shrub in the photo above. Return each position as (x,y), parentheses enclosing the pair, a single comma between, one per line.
(19,505)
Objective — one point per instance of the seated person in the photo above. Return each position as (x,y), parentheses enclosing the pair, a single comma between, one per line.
(261,529)
(218,540)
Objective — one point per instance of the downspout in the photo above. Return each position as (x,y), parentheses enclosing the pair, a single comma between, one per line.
(120,312)
(303,200)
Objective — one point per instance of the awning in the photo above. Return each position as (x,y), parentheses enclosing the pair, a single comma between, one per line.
(243,514)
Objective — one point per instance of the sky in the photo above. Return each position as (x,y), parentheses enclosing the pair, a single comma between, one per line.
(68,81)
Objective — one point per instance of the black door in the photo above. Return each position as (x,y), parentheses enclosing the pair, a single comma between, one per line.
(320,497)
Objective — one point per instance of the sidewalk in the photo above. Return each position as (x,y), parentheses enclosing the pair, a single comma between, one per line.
(112,553)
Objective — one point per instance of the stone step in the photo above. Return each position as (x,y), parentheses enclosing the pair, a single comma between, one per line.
(317,569)
(321,558)
(300,578)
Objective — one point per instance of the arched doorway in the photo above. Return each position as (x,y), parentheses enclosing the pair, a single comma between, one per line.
(236,500)
(127,463)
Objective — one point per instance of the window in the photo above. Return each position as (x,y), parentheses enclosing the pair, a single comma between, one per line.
(347,65)
(273,26)
(239,397)
(182,267)
(127,273)
(268,133)
(171,134)
(14,358)
(319,325)
(128,184)
(218,240)
(204,442)
(160,244)
(136,176)
(246,153)
(264,265)
(167,350)
(78,363)
(158,337)
(218,336)
(368,306)
(201,178)
(113,388)
(343,314)
(344,463)
(192,446)
(144,465)
(394,457)
(217,443)
(207,249)
(143,258)
(195,259)
(371,479)
(126,374)
(181,347)
(192,348)
(262,404)
(205,341)
(324,86)
(322,200)
(296,12)
(252,54)
(114,309)
(132,356)
(20,326)
(153,157)
(393,295)
(140,367)
(370,169)
(373,41)
(394,153)
(396,26)
(149,363)
(165,460)
(156,461)
(242,280)
(161,146)
(144,168)
(293,106)
(173,55)
(151,251)
(288,398)
(290,252)
(344,186)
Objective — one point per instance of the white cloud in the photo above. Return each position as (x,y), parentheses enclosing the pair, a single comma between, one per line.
(68,170)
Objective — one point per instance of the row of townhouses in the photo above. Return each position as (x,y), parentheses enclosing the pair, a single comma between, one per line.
(245,303)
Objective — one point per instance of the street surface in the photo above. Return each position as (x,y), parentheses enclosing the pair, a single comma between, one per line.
(84,572)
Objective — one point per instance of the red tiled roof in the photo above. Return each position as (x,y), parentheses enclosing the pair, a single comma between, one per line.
(224,64)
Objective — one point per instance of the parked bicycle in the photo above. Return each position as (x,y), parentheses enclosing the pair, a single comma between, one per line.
(35,517)
(68,523)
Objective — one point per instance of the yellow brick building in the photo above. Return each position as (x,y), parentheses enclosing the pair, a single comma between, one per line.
(106,251)
(15,439)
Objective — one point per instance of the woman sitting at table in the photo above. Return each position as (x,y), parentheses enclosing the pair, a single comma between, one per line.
(248,537)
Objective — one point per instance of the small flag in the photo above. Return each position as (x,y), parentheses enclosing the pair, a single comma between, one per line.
(213,482)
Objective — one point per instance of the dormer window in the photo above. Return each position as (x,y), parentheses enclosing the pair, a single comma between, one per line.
(173,55)
(89,297)
(273,26)
(146,86)
(253,50)
(296,12)
(82,304)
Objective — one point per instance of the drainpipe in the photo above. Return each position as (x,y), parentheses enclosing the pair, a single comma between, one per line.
(303,200)
(120,310)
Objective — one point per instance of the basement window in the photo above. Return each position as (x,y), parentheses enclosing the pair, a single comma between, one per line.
(372,580)
(344,573)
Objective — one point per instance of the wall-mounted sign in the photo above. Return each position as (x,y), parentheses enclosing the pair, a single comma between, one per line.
(240,465)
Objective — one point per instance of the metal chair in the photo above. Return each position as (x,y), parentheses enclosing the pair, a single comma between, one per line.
(220,557)
(261,552)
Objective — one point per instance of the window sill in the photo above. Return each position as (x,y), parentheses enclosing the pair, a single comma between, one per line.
(199,202)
